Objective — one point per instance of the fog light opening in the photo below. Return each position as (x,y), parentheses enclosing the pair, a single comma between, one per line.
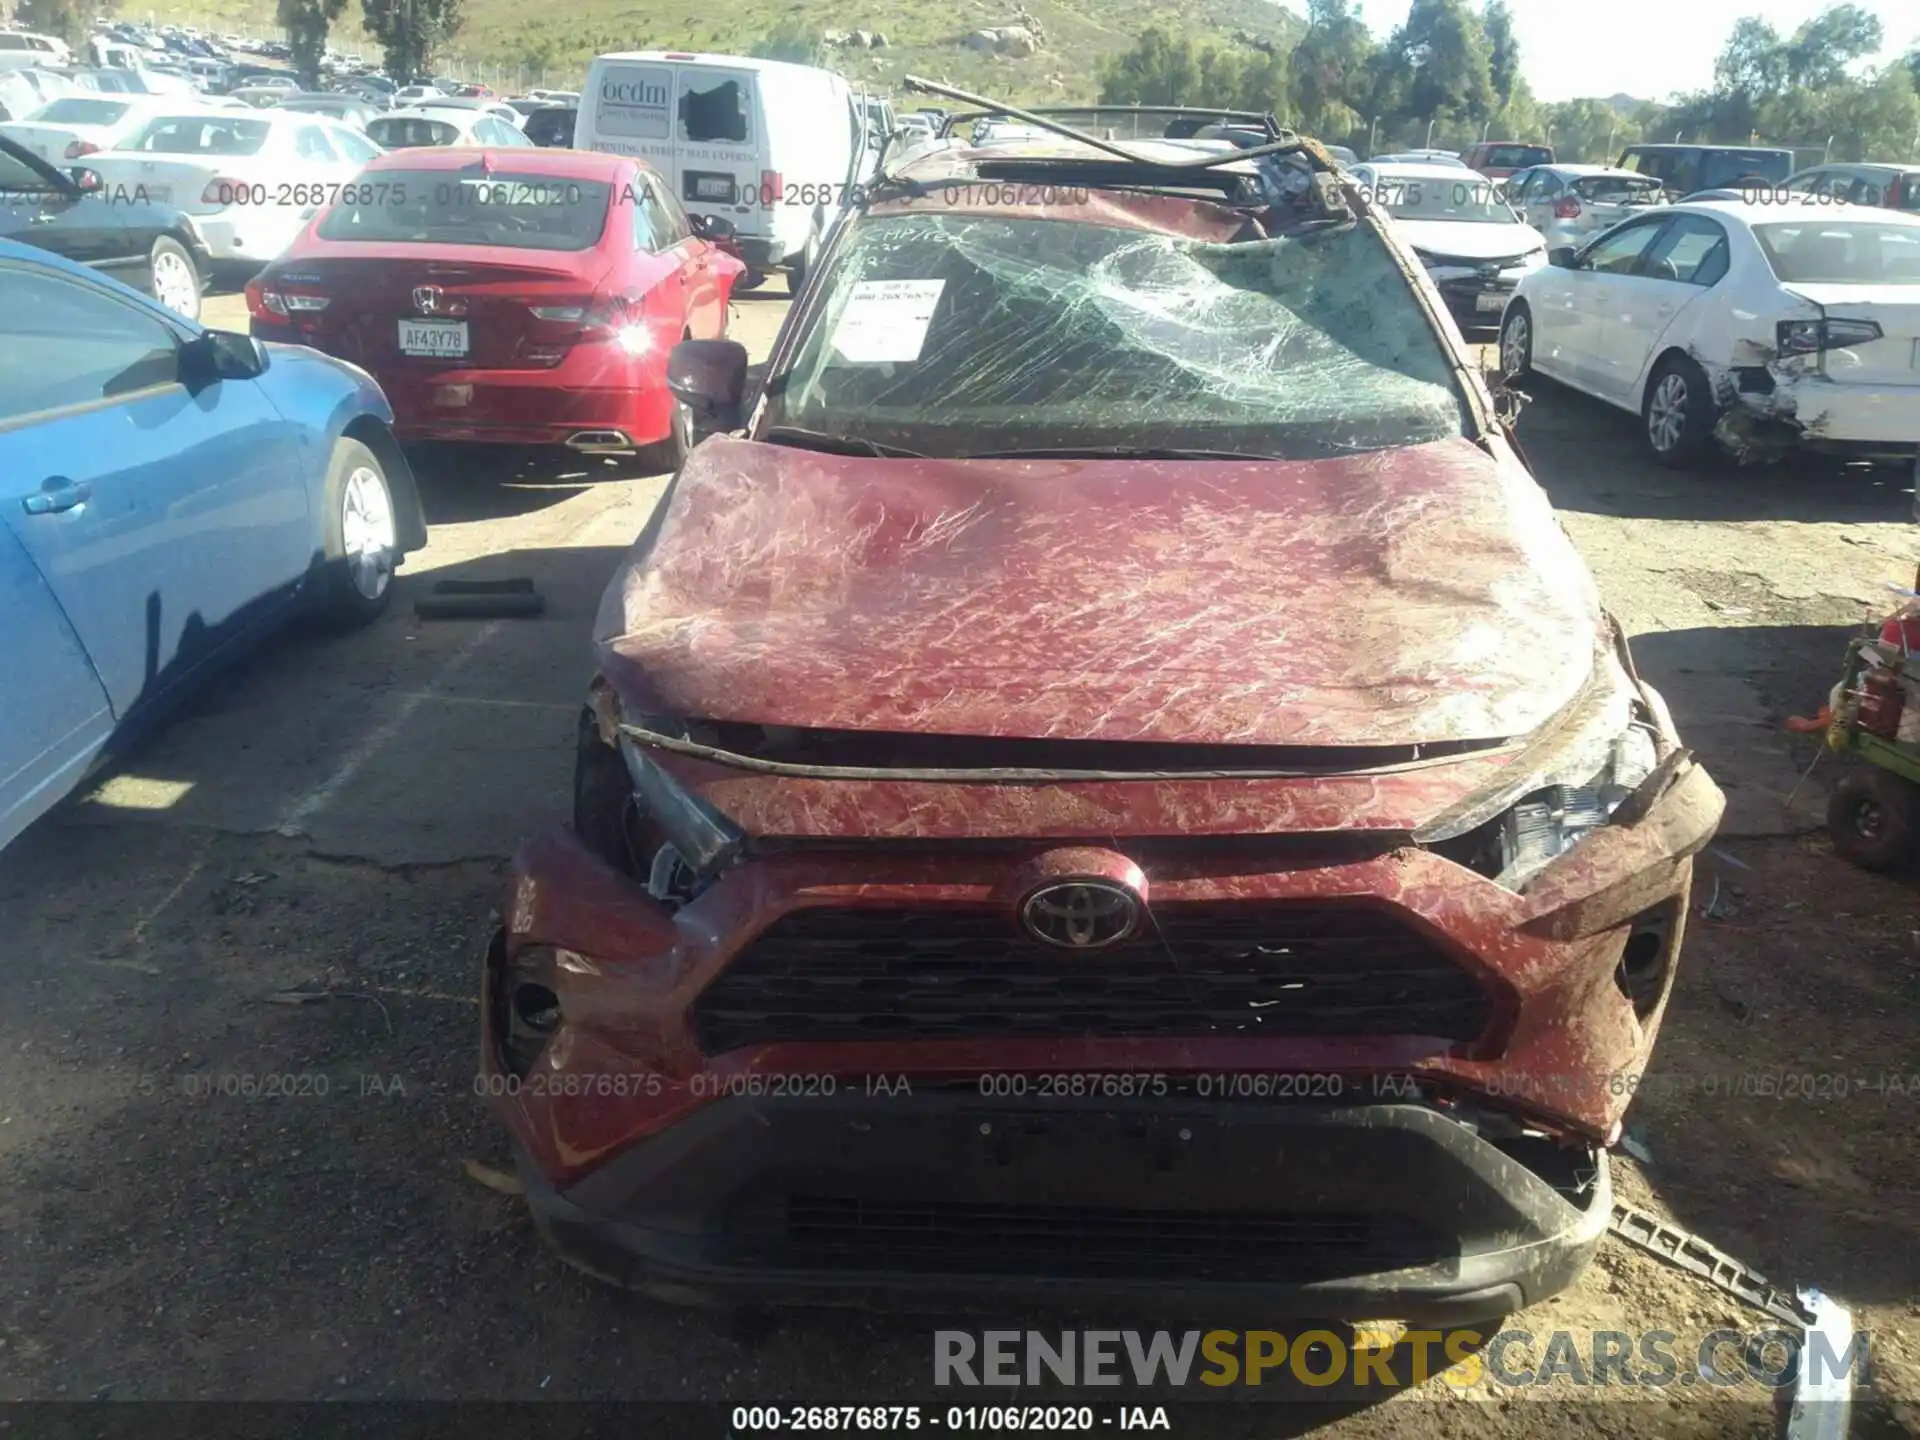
(528,1013)
(1645,960)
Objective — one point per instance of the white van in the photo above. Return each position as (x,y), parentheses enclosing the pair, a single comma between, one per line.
(771,147)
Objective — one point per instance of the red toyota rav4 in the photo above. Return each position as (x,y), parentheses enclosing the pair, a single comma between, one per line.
(1109,782)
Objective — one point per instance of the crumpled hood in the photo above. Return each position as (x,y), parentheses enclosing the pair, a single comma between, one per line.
(1390,598)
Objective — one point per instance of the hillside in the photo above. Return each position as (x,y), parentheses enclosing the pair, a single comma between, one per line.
(502,45)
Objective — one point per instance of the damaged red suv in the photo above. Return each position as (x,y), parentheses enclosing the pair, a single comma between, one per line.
(1109,783)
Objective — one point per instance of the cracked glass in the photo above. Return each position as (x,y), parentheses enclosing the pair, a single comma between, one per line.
(974,334)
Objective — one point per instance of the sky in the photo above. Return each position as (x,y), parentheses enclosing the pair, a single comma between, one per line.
(1649,49)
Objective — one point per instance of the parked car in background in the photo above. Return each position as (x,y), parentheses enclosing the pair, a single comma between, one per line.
(151,246)
(24,91)
(732,134)
(22,48)
(1006,132)
(1499,159)
(1569,203)
(1472,243)
(260,97)
(74,125)
(1341,153)
(1683,169)
(246,177)
(1420,157)
(418,126)
(168,496)
(551,125)
(499,109)
(347,109)
(418,92)
(1749,326)
(526,299)
(1897,187)
(964,717)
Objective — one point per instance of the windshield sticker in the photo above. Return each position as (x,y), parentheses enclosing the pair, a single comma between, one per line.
(885,322)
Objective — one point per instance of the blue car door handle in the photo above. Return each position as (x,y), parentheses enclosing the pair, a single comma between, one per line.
(56,495)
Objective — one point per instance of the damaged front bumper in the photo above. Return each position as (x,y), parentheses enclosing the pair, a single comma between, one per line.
(725,1097)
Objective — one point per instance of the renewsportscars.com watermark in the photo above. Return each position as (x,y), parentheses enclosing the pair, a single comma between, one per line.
(1392,1358)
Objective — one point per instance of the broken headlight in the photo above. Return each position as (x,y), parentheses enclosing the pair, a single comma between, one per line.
(699,841)
(1544,825)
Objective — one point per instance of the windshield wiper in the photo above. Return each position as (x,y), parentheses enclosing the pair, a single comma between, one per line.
(801,439)
(1116,452)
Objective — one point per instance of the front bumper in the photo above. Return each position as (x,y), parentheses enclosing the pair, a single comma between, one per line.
(880,1200)
(647,1139)
(1477,302)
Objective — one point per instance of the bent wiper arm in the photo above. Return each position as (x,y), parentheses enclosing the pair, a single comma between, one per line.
(1116,452)
(802,439)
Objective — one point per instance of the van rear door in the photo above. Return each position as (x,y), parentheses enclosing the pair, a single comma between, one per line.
(719,150)
(629,111)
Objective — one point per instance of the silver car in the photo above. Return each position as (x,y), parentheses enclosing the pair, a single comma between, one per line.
(1570,203)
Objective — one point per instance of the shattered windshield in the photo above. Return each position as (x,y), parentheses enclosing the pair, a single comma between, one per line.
(969,334)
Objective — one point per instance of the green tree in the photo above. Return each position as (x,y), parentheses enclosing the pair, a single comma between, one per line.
(1823,48)
(1503,50)
(307,23)
(409,31)
(1159,70)
(67,19)
(1329,74)
(1438,67)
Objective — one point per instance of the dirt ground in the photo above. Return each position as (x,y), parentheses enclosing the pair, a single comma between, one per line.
(237,1062)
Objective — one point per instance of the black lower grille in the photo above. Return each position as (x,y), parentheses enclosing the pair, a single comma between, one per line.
(958,1237)
(1192,971)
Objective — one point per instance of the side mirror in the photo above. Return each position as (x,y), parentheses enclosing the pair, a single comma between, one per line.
(710,378)
(86,180)
(221,355)
(1561,257)
(712,227)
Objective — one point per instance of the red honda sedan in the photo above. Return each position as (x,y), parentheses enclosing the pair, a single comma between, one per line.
(518,297)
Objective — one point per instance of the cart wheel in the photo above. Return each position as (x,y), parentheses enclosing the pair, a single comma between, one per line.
(1873,817)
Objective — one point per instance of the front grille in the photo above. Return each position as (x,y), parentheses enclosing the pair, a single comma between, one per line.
(1192,971)
(961,1237)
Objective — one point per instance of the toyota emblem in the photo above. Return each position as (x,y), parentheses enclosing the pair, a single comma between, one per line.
(1080,914)
(426,299)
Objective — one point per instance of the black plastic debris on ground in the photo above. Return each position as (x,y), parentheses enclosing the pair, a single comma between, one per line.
(480,600)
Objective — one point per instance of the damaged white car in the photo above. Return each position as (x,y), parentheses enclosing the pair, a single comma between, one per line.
(1754,328)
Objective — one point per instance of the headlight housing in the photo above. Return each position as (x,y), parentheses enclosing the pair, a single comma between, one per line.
(1546,824)
(697,837)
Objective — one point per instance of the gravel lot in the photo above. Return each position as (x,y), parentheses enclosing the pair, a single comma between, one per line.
(332,818)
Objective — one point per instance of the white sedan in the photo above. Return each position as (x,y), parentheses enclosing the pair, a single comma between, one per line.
(1758,327)
(250,179)
(418,126)
(76,125)
(1474,247)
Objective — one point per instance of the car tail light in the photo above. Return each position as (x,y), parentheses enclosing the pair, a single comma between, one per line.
(77,148)
(611,320)
(773,187)
(281,306)
(224,191)
(1567,207)
(1810,337)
